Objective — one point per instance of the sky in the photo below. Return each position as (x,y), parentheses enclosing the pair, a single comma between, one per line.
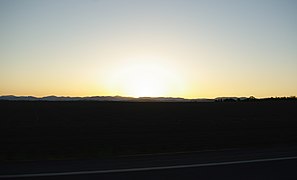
(176,48)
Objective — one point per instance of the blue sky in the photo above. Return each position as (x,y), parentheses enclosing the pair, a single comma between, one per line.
(211,48)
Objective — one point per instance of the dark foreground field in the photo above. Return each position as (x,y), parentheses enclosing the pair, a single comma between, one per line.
(66,130)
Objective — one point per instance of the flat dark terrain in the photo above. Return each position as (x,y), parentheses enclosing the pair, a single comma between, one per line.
(84,130)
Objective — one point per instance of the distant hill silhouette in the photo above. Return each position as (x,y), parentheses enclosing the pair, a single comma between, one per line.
(102,98)
(142,99)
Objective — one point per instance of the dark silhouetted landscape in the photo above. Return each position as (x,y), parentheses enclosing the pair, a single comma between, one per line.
(48,130)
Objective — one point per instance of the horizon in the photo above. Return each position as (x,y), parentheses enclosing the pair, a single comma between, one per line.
(169,97)
(180,48)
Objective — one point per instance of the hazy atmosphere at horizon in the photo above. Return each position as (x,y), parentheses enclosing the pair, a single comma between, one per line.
(169,48)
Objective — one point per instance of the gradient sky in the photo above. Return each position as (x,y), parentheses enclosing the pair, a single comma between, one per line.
(180,48)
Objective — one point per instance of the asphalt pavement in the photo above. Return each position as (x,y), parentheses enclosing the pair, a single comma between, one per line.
(268,163)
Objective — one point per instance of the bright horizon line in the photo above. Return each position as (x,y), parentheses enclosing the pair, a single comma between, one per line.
(258,97)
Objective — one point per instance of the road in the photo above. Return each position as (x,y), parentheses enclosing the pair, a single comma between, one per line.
(271,163)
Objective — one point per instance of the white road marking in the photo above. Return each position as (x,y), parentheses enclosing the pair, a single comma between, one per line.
(146,168)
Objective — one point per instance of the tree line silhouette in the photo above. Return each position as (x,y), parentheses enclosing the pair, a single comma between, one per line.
(253,99)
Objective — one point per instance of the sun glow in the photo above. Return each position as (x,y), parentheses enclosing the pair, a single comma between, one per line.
(145,78)
(142,83)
